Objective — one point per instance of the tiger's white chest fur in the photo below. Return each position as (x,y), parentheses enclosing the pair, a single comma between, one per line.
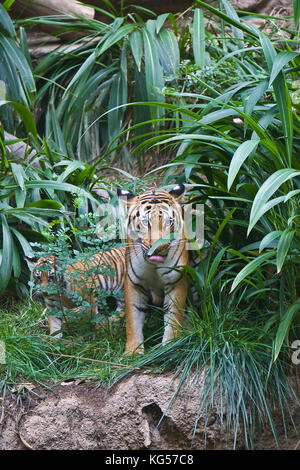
(156,277)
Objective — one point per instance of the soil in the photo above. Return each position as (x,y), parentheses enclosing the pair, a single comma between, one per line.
(82,415)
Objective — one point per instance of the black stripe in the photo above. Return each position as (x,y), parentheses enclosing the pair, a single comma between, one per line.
(138,277)
(173,283)
(138,286)
(142,309)
(119,275)
(175,264)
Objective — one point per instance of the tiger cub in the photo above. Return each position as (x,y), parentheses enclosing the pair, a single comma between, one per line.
(45,272)
(152,267)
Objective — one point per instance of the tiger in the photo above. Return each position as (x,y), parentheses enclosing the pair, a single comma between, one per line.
(151,264)
(46,272)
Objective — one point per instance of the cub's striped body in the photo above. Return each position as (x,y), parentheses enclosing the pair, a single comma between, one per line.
(45,272)
(150,276)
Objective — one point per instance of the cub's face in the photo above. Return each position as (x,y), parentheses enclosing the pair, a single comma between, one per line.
(152,216)
(44,274)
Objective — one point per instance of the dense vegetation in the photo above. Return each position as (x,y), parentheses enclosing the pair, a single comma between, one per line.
(209,100)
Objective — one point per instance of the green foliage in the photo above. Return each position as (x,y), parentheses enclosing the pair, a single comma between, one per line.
(31,356)
(221,98)
(32,198)
(76,242)
(238,144)
(82,96)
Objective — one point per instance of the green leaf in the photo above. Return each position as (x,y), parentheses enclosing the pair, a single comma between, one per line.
(26,247)
(168,51)
(47,184)
(5,20)
(291,194)
(162,240)
(16,57)
(198,38)
(153,72)
(255,96)
(215,264)
(75,165)
(284,326)
(114,37)
(18,174)
(83,70)
(249,268)
(160,20)
(7,4)
(296,6)
(260,204)
(283,247)
(237,32)
(227,18)
(239,157)
(25,114)
(7,254)
(45,204)
(268,239)
(281,60)
(136,44)
(281,93)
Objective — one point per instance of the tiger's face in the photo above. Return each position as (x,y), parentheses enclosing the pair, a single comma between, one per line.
(154,217)
(44,274)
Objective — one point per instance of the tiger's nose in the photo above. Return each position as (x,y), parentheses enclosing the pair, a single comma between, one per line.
(158,255)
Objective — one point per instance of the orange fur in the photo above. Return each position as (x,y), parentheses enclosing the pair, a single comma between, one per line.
(145,278)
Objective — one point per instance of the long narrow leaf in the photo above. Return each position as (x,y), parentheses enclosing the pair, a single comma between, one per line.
(239,157)
(136,44)
(283,247)
(249,268)
(296,6)
(269,187)
(5,20)
(284,326)
(198,38)
(153,71)
(281,60)
(25,114)
(7,254)
(281,92)
(227,18)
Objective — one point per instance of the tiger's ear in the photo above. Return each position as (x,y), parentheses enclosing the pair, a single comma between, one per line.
(31,260)
(125,196)
(178,191)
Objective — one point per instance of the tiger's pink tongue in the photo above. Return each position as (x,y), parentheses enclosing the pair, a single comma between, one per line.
(157,258)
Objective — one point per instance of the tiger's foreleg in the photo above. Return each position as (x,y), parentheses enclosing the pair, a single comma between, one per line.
(135,308)
(174,305)
(55,325)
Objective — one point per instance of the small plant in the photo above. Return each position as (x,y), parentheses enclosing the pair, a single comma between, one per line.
(77,289)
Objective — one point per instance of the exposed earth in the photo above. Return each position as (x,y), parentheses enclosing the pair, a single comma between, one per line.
(84,416)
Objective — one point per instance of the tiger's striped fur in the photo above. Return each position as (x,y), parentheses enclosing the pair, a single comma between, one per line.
(45,272)
(150,276)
